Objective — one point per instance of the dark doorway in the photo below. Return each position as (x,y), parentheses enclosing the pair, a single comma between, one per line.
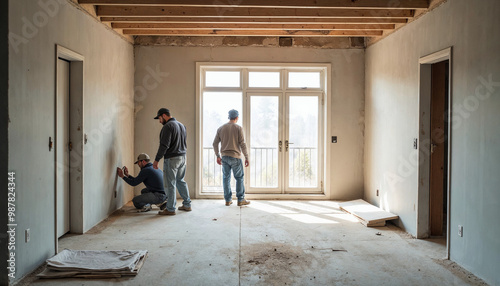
(439,148)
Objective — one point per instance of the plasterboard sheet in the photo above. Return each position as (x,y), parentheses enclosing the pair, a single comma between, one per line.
(367,213)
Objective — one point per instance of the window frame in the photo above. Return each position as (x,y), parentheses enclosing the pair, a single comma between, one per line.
(284,69)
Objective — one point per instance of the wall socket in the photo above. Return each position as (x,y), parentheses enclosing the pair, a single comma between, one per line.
(460,231)
(27,235)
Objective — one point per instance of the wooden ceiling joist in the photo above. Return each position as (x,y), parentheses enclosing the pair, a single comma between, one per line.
(368,4)
(264,18)
(255,20)
(210,26)
(269,33)
(142,11)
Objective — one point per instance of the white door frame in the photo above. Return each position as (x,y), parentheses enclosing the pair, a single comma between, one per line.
(76,137)
(321,141)
(423,227)
(248,138)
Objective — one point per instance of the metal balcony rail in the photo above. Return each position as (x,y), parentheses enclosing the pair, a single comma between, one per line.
(264,168)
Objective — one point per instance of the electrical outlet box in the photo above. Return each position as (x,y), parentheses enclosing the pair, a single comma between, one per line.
(334,139)
(460,231)
(27,235)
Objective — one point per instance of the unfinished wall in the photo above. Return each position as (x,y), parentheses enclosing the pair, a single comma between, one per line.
(35,29)
(392,100)
(175,89)
(4,135)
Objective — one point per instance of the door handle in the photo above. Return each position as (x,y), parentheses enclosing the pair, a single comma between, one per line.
(51,143)
(286,145)
(281,145)
(70,146)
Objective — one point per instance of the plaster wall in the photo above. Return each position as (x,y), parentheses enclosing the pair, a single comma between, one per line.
(35,29)
(176,90)
(4,135)
(472,28)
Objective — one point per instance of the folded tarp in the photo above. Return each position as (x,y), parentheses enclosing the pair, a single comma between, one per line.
(94,263)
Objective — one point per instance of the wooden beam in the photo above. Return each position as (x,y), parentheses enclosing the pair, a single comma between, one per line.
(275,33)
(109,11)
(384,4)
(255,20)
(211,26)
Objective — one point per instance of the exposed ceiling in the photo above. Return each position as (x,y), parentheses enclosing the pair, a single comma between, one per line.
(264,18)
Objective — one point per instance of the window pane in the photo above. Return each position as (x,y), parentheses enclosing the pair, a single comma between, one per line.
(303,152)
(215,108)
(264,79)
(264,137)
(222,79)
(304,79)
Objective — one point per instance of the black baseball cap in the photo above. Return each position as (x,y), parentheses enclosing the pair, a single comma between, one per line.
(162,111)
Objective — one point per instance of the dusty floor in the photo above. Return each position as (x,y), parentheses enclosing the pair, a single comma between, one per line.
(265,243)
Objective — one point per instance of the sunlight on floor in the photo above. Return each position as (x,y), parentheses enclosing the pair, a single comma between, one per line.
(303,207)
(270,208)
(305,218)
(346,217)
(313,212)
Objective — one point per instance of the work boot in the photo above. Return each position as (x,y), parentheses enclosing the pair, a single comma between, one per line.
(243,202)
(145,208)
(166,212)
(229,203)
(184,208)
(163,205)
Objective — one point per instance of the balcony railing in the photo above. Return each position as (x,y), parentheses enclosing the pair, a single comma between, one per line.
(264,168)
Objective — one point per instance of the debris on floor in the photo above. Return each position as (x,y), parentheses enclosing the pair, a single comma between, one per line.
(94,264)
(367,214)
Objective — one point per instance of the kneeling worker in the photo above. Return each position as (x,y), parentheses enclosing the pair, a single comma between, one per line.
(152,179)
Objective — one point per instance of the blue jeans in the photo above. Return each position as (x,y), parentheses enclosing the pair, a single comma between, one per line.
(148,197)
(236,165)
(174,170)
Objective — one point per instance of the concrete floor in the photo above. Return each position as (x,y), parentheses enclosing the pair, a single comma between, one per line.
(266,243)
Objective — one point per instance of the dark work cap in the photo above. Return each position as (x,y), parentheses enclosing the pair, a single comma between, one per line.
(233,113)
(162,111)
(142,156)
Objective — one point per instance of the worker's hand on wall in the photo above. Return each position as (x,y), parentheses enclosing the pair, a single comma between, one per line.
(119,172)
(125,171)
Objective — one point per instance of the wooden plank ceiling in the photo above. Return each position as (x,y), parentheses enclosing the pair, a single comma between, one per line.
(268,18)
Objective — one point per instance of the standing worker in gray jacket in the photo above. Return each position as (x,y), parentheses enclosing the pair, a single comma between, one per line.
(230,135)
(173,151)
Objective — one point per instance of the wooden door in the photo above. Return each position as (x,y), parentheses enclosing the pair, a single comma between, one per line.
(439,96)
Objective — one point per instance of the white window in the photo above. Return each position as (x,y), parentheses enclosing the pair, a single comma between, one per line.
(283,113)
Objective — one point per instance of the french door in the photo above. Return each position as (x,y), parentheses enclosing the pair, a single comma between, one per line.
(284,110)
(285,142)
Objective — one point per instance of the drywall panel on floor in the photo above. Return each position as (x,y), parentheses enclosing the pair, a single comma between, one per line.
(35,29)
(166,77)
(472,28)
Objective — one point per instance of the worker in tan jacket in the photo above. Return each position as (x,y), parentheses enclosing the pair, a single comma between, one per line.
(230,136)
